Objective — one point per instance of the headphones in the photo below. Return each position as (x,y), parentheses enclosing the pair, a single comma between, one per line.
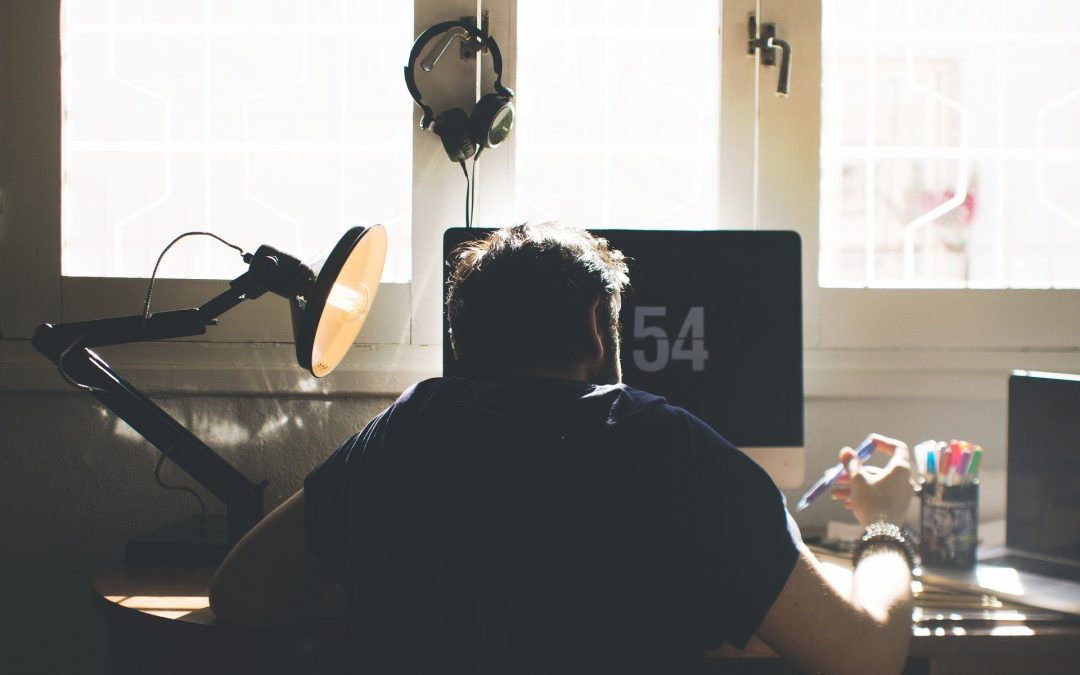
(492,117)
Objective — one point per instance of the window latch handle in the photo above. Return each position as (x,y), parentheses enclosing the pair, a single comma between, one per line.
(768,43)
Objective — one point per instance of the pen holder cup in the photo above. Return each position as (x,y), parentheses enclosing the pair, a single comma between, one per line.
(949,516)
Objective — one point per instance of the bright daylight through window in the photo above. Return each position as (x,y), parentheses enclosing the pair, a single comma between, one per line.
(618,108)
(950,145)
(263,122)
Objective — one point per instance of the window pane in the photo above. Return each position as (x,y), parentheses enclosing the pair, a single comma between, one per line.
(950,147)
(618,108)
(278,122)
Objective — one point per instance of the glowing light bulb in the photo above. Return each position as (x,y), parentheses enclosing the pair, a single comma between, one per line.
(354,302)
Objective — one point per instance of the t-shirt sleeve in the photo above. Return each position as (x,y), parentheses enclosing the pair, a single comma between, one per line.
(748,535)
(326,502)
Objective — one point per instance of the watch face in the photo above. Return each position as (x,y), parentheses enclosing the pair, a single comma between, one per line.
(501,124)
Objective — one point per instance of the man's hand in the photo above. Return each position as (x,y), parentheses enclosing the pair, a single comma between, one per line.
(875,494)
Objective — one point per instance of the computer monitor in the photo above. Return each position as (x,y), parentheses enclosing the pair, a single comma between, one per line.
(713,322)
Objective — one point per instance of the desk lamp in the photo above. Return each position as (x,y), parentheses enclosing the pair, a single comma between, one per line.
(330,300)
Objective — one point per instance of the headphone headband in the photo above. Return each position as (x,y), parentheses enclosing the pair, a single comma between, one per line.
(475,34)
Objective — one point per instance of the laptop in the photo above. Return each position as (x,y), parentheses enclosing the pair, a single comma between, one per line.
(1040,562)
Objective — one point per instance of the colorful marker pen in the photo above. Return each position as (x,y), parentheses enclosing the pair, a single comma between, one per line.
(922,453)
(976,460)
(965,460)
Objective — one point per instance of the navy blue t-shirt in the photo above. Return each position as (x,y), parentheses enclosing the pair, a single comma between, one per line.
(546,526)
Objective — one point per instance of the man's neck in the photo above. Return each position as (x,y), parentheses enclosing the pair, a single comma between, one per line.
(578,372)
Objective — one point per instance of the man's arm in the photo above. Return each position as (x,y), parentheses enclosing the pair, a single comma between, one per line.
(271,577)
(823,627)
(861,625)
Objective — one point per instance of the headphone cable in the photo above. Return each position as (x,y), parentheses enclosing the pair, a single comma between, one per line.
(470,189)
(472,197)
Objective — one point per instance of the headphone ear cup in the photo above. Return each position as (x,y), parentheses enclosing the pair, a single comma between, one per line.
(491,120)
(452,127)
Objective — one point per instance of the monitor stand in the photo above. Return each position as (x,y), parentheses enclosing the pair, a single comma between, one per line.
(786,466)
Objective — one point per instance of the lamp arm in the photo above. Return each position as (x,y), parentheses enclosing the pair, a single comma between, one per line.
(243,499)
(66,345)
(247,286)
(55,338)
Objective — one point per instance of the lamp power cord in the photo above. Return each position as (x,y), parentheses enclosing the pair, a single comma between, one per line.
(153,275)
(75,344)
(146,315)
(78,342)
(180,488)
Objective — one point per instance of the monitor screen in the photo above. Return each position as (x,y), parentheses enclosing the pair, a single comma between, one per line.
(1043,499)
(712,322)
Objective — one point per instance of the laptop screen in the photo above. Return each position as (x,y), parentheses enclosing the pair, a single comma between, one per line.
(1043,513)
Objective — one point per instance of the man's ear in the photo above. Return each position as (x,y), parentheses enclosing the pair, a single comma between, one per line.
(592,325)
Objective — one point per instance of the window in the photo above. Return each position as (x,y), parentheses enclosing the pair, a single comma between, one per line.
(949,147)
(269,122)
(619,113)
(874,332)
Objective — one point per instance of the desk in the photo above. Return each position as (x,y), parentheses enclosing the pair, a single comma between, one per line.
(161,623)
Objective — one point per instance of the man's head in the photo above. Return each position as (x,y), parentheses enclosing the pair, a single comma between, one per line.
(536,297)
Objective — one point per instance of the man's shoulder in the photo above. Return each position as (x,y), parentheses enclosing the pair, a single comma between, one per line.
(420,390)
(434,391)
(633,410)
(635,399)
(640,406)
(648,419)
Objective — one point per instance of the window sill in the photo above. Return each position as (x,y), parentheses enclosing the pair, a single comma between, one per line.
(925,373)
(270,369)
(205,368)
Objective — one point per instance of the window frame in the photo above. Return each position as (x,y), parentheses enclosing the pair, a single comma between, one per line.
(782,170)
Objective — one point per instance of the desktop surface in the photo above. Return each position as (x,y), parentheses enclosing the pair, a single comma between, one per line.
(161,622)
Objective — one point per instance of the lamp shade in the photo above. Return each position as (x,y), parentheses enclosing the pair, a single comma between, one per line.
(327,321)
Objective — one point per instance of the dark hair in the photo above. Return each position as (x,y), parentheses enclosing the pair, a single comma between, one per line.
(516,297)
